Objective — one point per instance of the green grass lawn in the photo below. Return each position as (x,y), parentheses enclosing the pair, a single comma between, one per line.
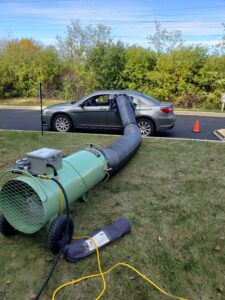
(172,192)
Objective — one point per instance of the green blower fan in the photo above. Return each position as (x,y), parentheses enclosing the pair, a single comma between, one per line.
(29,200)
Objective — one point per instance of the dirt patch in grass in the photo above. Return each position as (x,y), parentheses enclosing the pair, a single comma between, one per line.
(173,194)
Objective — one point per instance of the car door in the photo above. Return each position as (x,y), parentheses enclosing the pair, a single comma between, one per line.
(95,112)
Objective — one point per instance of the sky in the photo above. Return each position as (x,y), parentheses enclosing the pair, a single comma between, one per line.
(131,21)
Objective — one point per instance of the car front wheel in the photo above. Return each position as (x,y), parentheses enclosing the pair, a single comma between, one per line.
(146,127)
(62,123)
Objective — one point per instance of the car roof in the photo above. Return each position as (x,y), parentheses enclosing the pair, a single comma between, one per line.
(116,91)
(129,92)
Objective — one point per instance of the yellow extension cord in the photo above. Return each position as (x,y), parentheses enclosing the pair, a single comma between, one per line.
(102,274)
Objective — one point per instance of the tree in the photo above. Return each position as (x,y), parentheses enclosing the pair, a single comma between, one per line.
(23,63)
(211,81)
(106,62)
(47,67)
(139,63)
(219,49)
(176,72)
(165,41)
(74,49)
(80,39)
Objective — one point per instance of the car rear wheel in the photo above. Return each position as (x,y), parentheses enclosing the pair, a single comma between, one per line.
(146,127)
(62,123)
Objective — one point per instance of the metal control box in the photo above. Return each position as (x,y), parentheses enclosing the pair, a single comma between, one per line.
(41,157)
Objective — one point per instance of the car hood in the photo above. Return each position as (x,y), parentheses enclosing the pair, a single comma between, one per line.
(60,106)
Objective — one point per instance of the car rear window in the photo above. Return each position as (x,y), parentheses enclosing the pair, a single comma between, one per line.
(144,100)
(137,102)
(151,100)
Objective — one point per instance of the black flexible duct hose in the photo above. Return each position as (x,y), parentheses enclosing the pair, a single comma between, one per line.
(63,244)
(119,153)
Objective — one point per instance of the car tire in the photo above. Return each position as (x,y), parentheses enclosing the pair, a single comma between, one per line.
(5,228)
(62,123)
(56,233)
(146,126)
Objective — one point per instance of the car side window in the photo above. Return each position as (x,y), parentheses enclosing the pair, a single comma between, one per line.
(99,100)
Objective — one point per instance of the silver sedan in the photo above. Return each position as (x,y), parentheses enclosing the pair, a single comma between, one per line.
(98,112)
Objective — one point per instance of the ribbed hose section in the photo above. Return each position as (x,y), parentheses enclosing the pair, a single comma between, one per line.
(119,153)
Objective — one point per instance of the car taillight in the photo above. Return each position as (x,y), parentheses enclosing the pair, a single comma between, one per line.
(166,110)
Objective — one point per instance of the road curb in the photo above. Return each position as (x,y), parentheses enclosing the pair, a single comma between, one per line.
(115,135)
(198,113)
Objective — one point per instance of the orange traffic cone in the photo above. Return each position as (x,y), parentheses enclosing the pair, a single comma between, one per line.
(196,128)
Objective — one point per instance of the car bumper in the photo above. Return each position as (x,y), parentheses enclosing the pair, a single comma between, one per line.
(166,123)
(165,127)
(46,121)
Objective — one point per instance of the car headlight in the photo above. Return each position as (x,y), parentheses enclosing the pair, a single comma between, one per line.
(45,111)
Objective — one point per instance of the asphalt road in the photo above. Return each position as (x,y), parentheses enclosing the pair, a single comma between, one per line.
(22,119)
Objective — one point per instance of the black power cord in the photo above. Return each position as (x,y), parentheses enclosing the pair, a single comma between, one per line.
(66,238)
(53,168)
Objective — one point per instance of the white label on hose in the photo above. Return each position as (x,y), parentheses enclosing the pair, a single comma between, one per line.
(100,240)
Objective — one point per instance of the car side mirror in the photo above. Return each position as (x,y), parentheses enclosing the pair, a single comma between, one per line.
(81,105)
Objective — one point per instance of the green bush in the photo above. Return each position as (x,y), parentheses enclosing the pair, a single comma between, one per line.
(188,76)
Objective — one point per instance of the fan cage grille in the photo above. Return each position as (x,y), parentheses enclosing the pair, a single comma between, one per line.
(21,206)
